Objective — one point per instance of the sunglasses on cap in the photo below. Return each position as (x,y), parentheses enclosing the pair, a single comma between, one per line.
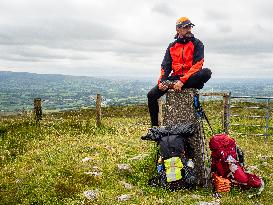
(185,26)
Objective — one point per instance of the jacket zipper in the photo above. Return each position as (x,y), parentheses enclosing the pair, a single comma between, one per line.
(183,60)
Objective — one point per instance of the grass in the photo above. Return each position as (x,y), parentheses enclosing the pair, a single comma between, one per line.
(43,164)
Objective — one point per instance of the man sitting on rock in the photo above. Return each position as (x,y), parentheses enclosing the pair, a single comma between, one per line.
(183,60)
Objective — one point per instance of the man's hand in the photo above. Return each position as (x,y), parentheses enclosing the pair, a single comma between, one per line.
(178,86)
(162,87)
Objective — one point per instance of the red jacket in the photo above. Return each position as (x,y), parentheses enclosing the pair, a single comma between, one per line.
(183,57)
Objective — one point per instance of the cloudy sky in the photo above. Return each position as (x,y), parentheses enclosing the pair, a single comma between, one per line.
(129,37)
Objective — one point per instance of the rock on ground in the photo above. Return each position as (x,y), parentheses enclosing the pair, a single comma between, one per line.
(91,194)
(124,197)
(124,167)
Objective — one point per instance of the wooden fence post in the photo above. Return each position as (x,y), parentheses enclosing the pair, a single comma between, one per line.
(38,109)
(98,110)
(226,116)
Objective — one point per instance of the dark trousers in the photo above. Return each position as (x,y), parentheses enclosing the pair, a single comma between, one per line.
(195,81)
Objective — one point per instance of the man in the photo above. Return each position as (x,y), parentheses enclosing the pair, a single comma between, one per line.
(183,60)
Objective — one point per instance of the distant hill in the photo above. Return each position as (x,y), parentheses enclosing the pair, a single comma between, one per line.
(242,86)
(18,89)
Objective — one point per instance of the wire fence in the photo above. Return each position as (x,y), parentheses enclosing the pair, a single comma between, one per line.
(246,115)
(241,115)
(251,115)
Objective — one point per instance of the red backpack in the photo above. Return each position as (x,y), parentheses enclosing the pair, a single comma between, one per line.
(225,162)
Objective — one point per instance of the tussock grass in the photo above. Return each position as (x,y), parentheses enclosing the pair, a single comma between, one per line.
(43,164)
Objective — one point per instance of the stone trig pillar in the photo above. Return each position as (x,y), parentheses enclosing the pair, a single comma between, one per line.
(179,108)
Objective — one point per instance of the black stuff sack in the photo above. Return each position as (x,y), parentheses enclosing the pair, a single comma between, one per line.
(174,164)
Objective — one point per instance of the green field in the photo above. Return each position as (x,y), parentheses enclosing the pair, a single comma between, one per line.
(44,164)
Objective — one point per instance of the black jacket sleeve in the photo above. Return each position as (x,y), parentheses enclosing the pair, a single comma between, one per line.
(166,65)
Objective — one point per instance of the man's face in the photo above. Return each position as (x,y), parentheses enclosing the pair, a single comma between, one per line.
(183,30)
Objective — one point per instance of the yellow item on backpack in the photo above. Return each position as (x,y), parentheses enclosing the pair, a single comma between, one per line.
(173,168)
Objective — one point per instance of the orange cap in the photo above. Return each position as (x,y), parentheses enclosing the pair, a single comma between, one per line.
(183,21)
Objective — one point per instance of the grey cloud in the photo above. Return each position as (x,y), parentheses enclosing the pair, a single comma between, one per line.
(212,15)
(262,9)
(72,35)
(239,45)
(41,57)
(24,40)
(163,8)
(267,12)
(49,32)
(20,43)
(37,53)
(224,29)
(82,51)
(19,58)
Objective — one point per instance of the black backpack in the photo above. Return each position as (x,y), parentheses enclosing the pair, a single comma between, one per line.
(173,156)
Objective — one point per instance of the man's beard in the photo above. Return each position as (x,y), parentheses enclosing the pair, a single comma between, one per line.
(189,34)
